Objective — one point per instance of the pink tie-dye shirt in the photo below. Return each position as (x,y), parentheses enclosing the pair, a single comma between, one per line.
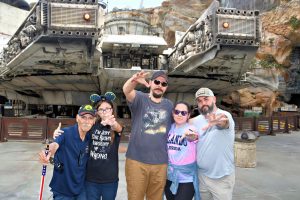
(181,152)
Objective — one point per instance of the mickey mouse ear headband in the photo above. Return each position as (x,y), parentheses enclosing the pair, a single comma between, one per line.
(95,98)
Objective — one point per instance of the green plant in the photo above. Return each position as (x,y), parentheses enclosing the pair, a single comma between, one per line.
(294,22)
(269,62)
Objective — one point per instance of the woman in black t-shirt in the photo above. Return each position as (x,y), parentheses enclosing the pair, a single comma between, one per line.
(102,168)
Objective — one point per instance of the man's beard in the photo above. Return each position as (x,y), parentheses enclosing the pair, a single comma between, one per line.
(86,127)
(157,96)
(206,111)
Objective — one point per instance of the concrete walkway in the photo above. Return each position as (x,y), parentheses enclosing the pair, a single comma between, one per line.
(275,177)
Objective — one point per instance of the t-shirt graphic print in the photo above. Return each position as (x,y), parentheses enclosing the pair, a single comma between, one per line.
(154,121)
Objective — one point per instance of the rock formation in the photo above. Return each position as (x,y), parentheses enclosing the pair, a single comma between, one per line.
(279,33)
(252,97)
(177,15)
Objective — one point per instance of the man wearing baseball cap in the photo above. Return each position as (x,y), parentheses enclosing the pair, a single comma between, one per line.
(151,117)
(70,152)
(215,148)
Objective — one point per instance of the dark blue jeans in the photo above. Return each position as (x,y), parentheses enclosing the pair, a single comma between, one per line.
(59,196)
(108,191)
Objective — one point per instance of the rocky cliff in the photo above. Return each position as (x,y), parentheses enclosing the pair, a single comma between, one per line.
(273,69)
(177,15)
(281,32)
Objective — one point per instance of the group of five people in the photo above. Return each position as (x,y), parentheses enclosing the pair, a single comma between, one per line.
(168,153)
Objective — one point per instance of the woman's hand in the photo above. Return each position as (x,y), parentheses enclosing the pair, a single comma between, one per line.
(110,120)
(190,135)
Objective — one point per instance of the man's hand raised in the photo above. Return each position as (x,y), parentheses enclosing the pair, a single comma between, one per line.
(219,120)
(140,78)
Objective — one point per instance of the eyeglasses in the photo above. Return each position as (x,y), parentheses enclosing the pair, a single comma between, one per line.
(183,113)
(104,110)
(163,84)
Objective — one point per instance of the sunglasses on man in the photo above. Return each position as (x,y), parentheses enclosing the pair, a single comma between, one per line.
(163,84)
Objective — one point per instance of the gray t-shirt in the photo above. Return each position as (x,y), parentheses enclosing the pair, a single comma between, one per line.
(215,154)
(150,123)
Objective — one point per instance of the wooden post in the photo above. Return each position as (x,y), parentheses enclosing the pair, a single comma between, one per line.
(286,127)
(298,119)
(296,122)
(255,124)
(1,131)
(46,140)
(271,125)
(240,122)
(24,128)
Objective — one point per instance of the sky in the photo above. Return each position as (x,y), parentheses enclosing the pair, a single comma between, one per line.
(131,4)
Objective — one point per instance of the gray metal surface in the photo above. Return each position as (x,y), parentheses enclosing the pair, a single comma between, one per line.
(47,62)
(218,46)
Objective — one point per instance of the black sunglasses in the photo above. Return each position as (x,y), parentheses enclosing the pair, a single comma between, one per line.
(183,113)
(157,82)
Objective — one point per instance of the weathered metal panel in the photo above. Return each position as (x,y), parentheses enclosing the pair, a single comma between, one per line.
(65,16)
(39,81)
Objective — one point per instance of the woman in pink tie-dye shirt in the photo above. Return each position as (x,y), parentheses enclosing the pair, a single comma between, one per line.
(182,183)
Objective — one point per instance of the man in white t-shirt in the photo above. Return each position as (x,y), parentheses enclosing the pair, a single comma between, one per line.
(215,149)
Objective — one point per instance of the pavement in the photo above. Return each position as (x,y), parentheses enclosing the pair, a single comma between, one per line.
(276,176)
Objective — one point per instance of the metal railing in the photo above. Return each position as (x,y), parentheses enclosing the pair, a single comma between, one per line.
(41,129)
(16,128)
(268,125)
(13,128)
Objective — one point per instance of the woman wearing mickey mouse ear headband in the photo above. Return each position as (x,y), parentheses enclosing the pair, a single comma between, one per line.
(105,108)
(102,168)
(95,98)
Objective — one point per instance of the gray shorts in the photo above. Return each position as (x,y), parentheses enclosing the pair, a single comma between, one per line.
(216,189)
